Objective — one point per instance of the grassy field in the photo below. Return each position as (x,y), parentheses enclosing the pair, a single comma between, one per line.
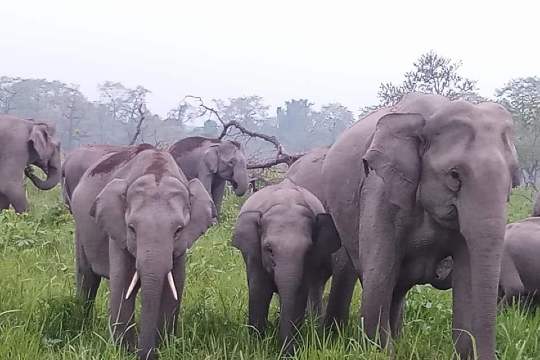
(40,318)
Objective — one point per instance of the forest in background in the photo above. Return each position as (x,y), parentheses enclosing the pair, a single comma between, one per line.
(121,115)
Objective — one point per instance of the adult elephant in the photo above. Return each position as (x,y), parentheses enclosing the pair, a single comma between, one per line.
(76,163)
(307,172)
(135,216)
(411,184)
(213,162)
(23,143)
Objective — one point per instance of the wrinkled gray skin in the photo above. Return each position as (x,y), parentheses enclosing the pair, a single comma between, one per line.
(214,162)
(284,234)
(135,211)
(520,270)
(306,172)
(24,143)
(78,161)
(536,207)
(412,184)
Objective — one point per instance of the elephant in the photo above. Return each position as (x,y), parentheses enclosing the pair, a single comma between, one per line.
(135,215)
(284,234)
(520,270)
(414,183)
(213,161)
(536,206)
(306,172)
(78,161)
(26,142)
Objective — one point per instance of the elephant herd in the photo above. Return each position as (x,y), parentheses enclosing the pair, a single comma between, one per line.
(414,193)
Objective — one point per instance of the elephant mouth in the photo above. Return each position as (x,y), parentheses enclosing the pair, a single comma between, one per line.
(234,184)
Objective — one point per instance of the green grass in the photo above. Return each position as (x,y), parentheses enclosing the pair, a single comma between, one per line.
(41,319)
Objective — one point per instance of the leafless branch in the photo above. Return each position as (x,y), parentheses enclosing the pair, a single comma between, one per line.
(282,157)
(139,123)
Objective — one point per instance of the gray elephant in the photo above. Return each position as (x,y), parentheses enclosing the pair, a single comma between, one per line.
(78,161)
(536,206)
(284,234)
(306,172)
(24,143)
(213,161)
(520,269)
(135,215)
(412,184)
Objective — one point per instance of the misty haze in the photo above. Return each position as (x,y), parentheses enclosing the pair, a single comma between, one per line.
(371,169)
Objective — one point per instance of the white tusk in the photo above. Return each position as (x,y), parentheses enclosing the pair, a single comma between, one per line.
(132,285)
(171,284)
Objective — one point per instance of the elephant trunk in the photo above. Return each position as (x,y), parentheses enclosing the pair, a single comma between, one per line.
(482,218)
(293,293)
(153,271)
(240,178)
(53,170)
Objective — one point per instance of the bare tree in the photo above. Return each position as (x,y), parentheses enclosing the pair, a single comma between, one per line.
(281,156)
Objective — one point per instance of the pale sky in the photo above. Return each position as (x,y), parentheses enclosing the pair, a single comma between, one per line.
(324,51)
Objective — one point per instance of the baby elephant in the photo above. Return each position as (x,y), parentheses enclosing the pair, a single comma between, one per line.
(284,234)
(520,269)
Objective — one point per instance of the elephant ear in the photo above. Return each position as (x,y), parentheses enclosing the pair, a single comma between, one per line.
(325,236)
(109,210)
(211,159)
(394,154)
(202,215)
(40,140)
(246,233)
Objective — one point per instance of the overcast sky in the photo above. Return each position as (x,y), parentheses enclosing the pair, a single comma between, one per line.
(324,51)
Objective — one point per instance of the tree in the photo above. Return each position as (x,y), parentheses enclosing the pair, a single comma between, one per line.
(128,106)
(293,122)
(521,97)
(7,93)
(248,111)
(434,74)
(331,121)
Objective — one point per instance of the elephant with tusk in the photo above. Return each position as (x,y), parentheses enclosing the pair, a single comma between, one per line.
(212,161)
(135,215)
(24,143)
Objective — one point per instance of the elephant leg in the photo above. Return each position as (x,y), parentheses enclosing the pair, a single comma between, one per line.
(16,196)
(343,281)
(87,281)
(261,289)
(4,202)
(121,310)
(462,305)
(397,310)
(316,290)
(169,306)
(218,188)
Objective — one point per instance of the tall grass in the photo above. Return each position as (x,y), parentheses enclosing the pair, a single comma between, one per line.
(41,319)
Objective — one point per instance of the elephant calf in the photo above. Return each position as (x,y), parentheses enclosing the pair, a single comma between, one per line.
(284,235)
(520,269)
(135,215)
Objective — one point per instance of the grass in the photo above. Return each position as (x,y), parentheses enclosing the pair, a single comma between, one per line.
(41,319)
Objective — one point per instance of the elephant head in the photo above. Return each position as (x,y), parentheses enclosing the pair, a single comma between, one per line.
(459,164)
(156,221)
(289,242)
(44,151)
(226,160)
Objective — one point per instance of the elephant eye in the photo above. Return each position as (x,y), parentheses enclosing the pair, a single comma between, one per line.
(268,248)
(131,228)
(454,182)
(178,231)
